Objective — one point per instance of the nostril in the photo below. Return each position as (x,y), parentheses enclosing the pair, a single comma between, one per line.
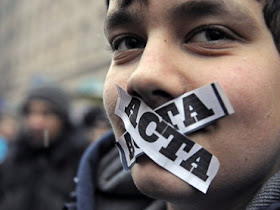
(162,94)
(157,98)
(153,98)
(157,93)
(134,93)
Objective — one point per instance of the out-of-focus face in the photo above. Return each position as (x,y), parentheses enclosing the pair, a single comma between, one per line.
(41,122)
(162,49)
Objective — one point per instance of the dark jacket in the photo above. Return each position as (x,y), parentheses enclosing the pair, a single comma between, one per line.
(102,184)
(40,178)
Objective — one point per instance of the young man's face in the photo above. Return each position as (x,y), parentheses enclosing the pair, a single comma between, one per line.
(163,48)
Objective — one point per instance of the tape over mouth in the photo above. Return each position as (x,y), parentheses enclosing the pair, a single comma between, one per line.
(161,134)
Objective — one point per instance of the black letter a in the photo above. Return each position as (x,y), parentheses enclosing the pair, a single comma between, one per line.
(195,110)
(132,110)
(198,164)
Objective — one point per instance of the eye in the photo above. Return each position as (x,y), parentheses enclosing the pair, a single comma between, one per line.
(211,34)
(127,42)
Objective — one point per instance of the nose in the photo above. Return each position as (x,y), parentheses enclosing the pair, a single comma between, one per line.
(158,76)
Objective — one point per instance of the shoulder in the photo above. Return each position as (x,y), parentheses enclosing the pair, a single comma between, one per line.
(88,168)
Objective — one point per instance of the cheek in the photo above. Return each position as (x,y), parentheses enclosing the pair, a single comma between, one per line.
(110,100)
(250,136)
(253,88)
(110,97)
(256,124)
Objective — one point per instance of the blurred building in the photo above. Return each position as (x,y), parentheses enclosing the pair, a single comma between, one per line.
(41,40)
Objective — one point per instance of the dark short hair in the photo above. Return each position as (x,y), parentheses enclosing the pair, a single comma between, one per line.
(271,12)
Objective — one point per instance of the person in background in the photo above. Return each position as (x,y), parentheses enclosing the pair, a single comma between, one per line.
(40,167)
(8,132)
(95,123)
(8,125)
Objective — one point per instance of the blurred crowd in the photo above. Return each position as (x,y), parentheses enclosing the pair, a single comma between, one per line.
(41,146)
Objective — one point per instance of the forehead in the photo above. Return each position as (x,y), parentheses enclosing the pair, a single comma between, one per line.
(126,3)
(121,12)
(143,6)
(39,104)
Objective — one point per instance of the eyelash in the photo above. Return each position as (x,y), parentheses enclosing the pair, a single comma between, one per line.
(228,34)
(115,44)
(224,31)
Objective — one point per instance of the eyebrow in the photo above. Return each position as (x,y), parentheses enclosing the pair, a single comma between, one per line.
(198,8)
(123,15)
(119,18)
(202,8)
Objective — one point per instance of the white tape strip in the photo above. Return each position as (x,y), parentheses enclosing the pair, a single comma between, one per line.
(154,132)
(211,95)
(196,109)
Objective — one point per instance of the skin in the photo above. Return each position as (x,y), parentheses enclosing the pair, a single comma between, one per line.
(8,128)
(171,52)
(40,119)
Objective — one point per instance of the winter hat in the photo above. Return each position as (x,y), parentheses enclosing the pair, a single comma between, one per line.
(54,95)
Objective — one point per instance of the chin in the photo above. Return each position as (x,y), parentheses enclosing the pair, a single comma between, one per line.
(156,182)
